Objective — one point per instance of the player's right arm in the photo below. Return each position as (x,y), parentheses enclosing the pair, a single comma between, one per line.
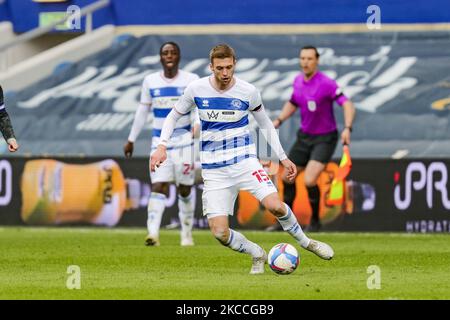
(196,124)
(183,106)
(139,119)
(138,123)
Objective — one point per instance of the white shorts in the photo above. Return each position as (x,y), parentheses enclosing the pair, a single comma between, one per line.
(221,186)
(178,167)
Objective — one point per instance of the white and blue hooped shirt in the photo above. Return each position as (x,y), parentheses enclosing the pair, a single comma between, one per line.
(162,94)
(225,137)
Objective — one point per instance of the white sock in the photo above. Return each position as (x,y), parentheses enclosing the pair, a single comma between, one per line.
(155,211)
(238,242)
(290,224)
(186,206)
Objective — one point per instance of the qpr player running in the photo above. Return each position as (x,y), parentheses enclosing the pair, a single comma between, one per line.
(160,90)
(228,155)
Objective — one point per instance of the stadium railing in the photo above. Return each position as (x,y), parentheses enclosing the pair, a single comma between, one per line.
(39,31)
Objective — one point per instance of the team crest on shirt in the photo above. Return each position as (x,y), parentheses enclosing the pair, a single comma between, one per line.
(312,106)
(236,103)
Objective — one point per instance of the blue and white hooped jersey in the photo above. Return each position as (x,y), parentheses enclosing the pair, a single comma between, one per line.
(225,137)
(162,94)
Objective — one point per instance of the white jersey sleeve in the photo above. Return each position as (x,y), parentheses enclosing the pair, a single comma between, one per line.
(168,127)
(146,97)
(140,118)
(269,132)
(195,117)
(186,102)
(255,100)
(195,77)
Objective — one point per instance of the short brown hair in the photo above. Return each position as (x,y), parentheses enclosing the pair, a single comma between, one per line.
(222,51)
(311,48)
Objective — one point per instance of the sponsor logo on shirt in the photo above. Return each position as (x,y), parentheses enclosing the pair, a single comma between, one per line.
(164,102)
(212,114)
(228,113)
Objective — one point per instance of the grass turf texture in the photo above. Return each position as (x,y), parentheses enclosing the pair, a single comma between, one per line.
(115,264)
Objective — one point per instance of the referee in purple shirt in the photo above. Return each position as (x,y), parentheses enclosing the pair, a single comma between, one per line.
(314,94)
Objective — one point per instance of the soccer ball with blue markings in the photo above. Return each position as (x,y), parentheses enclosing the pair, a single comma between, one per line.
(283,258)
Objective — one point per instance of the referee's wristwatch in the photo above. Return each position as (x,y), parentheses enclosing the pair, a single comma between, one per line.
(349,128)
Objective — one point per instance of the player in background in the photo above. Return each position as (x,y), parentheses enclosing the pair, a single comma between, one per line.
(6,127)
(228,155)
(314,94)
(160,91)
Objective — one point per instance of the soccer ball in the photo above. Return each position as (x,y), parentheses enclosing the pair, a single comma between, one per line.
(283,258)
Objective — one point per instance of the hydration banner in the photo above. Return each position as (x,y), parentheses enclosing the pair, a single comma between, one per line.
(380,195)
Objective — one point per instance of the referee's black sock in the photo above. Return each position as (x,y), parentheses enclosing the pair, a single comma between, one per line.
(314,200)
(289,193)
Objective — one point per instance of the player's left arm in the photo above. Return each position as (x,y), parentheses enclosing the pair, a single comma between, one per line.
(349,112)
(7,131)
(271,136)
(6,127)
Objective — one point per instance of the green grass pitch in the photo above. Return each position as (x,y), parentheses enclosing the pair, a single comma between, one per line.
(115,264)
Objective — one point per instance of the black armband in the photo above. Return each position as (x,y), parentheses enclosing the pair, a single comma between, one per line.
(257,108)
(1,96)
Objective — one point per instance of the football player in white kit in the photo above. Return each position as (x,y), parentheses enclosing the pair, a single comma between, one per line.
(160,91)
(228,155)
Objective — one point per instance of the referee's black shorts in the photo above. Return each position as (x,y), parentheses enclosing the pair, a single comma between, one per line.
(313,147)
